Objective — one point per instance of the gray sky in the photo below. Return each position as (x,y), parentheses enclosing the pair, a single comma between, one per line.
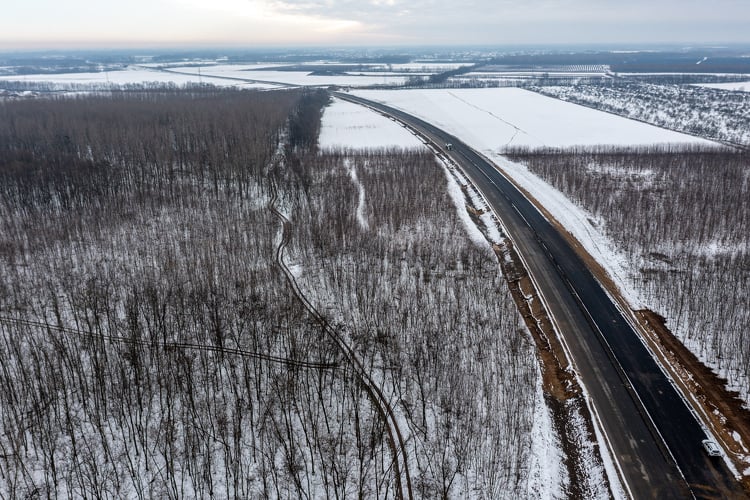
(105,23)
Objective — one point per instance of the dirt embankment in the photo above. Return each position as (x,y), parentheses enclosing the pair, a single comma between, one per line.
(723,410)
(562,392)
(719,407)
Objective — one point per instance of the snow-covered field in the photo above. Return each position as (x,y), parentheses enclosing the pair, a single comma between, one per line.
(348,125)
(705,112)
(262,76)
(212,67)
(735,86)
(131,75)
(297,77)
(492,119)
(258,75)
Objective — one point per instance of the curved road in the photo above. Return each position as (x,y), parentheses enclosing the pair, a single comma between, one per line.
(654,436)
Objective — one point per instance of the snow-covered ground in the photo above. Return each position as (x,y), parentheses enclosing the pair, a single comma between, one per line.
(735,86)
(254,76)
(298,77)
(257,75)
(212,67)
(348,125)
(345,124)
(492,119)
(131,75)
(705,112)
(579,222)
(488,119)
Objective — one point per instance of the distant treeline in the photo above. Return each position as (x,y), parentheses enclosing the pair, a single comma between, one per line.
(637,62)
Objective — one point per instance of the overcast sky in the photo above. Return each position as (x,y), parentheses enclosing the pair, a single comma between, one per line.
(104,23)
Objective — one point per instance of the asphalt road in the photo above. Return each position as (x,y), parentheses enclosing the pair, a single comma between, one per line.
(654,436)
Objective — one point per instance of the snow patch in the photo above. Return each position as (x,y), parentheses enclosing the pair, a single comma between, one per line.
(132,75)
(459,200)
(732,86)
(546,456)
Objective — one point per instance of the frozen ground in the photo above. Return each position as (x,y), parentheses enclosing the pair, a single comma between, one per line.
(736,86)
(298,77)
(347,125)
(131,75)
(492,119)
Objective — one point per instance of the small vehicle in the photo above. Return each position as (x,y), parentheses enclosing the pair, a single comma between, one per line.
(711,447)
(449,146)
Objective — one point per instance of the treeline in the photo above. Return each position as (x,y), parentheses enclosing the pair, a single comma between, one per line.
(686,78)
(43,87)
(490,81)
(151,147)
(525,152)
(683,220)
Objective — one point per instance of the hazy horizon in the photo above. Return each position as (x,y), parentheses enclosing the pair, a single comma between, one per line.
(86,25)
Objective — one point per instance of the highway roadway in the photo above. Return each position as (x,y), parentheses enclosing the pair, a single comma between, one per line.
(653,434)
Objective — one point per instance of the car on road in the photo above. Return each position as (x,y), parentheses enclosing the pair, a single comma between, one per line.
(449,146)
(711,447)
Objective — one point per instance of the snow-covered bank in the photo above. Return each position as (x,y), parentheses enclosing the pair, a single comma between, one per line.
(581,224)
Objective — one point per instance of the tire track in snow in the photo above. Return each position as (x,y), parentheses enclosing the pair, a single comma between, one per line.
(518,130)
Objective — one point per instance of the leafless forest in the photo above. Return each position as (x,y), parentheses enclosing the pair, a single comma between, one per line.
(427,311)
(152,345)
(683,220)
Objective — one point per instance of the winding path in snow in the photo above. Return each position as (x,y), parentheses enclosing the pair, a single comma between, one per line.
(395,436)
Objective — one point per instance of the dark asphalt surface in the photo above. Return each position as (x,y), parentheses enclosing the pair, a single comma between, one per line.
(653,434)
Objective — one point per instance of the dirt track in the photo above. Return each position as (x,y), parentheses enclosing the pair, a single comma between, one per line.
(562,391)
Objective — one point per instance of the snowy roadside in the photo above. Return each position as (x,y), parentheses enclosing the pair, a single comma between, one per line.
(350,126)
(579,223)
